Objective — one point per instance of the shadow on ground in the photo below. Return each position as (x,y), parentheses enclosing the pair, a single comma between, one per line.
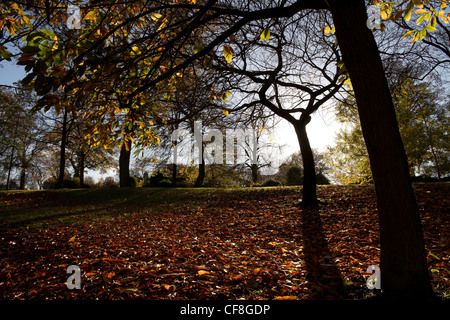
(323,275)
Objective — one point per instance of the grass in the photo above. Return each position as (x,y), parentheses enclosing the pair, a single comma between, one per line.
(37,208)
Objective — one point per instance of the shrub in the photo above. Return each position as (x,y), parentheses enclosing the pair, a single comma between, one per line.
(110,183)
(272,183)
(294,176)
(134,181)
(49,183)
(321,179)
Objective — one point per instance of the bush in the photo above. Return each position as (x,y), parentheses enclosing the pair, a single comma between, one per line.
(321,179)
(71,183)
(424,179)
(110,183)
(294,176)
(51,182)
(271,183)
(134,181)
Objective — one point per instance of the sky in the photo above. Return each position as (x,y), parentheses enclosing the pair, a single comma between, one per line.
(321,130)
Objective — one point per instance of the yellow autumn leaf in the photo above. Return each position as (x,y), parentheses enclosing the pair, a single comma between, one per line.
(136,50)
(156,16)
(15,6)
(202,272)
(228,53)
(72,239)
(90,16)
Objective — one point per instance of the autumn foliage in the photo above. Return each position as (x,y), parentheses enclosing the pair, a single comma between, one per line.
(204,244)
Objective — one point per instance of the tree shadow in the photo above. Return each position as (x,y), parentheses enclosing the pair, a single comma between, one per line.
(323,275)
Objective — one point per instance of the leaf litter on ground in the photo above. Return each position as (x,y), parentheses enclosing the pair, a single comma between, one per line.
(253,243)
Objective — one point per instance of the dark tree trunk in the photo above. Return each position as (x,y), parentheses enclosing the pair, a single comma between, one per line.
(8,180)
(82,157)
(254,168)
(124,165)
(23,175)
(174,174)
(404,269)
(62,159)
(198,136)
(309,196)
(201,172)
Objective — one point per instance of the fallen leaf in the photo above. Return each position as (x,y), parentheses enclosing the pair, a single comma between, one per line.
(202,272)
(285,298)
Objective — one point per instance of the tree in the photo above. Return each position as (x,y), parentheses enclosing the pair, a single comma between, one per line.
(296,160)
(292,73)
(417,107)
(21,133)
(403,257)
(83,156)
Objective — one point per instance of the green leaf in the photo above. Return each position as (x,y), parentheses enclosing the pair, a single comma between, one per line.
(265,35)
(25,81)
(50,34)
(228,53)
(30,49)
(198,47)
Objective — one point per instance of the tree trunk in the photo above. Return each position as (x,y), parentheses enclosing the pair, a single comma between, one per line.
(404,271)
(82,157)
(198,136)
(174,174)
(124,165)
(254,168)
(8,180)
(309,196)
(201,172)
(23,175)
(62,159)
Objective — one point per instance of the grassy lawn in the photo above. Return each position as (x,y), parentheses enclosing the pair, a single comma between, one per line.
(163,243)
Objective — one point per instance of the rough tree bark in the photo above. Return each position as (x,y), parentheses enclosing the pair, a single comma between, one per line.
(404,271)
